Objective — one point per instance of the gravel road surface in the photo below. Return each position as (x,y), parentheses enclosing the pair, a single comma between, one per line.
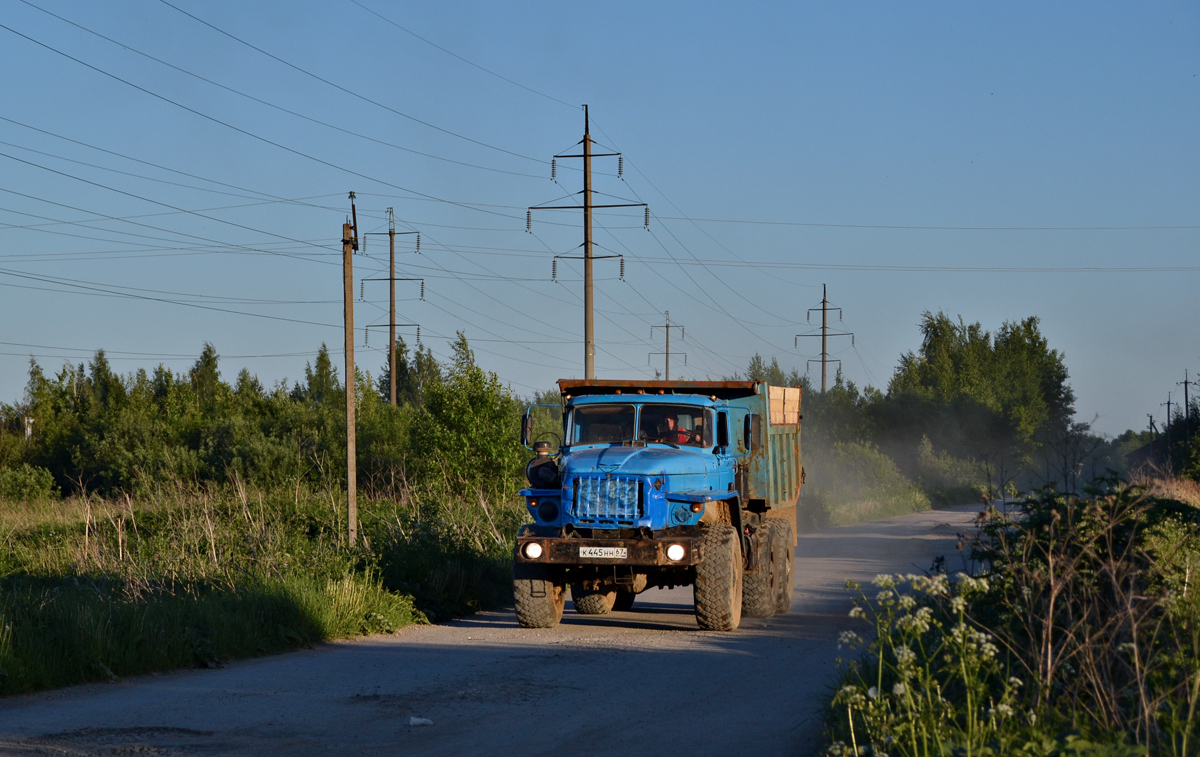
(646,681)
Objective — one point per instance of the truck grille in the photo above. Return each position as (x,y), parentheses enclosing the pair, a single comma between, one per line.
(610,500)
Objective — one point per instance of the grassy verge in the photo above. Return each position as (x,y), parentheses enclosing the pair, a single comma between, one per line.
(94,589)
(1079,638)
(851,483)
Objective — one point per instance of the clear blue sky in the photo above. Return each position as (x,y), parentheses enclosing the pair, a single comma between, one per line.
(1025,126)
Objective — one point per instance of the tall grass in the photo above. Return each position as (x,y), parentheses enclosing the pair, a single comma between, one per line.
(1081,636)
(94,588)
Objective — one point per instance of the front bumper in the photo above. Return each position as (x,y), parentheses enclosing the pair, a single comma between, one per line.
(565,551)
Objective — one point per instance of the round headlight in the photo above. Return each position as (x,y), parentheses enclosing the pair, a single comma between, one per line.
(533,550)
(547,511)
(676,552)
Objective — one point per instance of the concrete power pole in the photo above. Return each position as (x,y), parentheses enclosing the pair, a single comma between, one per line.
(1167,424)
(392,307)
(589,335)
(667,328)
(825,334)
(391,279)
(349,245)
(1187,406)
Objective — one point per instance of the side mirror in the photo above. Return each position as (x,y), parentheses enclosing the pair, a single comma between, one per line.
(722,430)
(526,427)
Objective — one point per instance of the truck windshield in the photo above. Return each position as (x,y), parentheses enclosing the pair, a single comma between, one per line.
(676,424)
(602,424)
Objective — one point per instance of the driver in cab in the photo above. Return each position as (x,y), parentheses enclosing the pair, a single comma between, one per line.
(671,433)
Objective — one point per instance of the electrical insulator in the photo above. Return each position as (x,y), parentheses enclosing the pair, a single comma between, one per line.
(366,337)
(418,243)
(554,270)
(647,221)
(418,337)
(553,169)
(362,286)
(622,269)
(620,166)
(528,220)
(422,291)
(364,246)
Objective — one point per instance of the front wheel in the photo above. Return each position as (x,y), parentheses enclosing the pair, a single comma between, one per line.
(539,598)
(718,589)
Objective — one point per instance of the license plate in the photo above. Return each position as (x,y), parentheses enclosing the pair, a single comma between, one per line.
(612,553)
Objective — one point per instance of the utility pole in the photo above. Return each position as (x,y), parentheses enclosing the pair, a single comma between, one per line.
(1167,424)
(1187,406)
(1153,430)
(391,279)
(392,307)
(589,336)
(667,328)
(825,334)
(349,245)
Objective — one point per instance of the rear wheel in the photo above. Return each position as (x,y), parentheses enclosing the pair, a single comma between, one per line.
(539,598)
(758,588)
(592,601)
(785,574)
(718,588)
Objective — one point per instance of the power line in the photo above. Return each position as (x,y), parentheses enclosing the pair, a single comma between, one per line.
(901,227)
(269,104)
(464,60)
(227,125)
(340,88)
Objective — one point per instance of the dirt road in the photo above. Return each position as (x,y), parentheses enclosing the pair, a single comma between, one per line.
(645,681)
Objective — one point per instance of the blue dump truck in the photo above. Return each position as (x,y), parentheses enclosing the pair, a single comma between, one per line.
(660,484)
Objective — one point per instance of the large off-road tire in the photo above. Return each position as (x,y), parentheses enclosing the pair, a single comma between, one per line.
(592,601)
(539,598)
(758,588)
(718,590)
(624,601)
(785,572)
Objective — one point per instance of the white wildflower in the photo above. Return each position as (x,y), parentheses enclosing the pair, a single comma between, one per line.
(873,693)
(898,689)
(936,586)
(905,656)
(884,580)
(958,604)
(1004,710)
(857,612)
(848,638)
(1015,682)
(884,595)
(970,584)
(907,602)
(918,622)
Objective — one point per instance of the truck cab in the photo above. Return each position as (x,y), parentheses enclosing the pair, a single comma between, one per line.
(662,484)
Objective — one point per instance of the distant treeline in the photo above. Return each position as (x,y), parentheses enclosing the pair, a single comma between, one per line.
(969,414)
(89,428)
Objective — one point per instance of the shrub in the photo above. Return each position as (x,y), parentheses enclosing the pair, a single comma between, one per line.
(850,482)
(948,480)
(27,483)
